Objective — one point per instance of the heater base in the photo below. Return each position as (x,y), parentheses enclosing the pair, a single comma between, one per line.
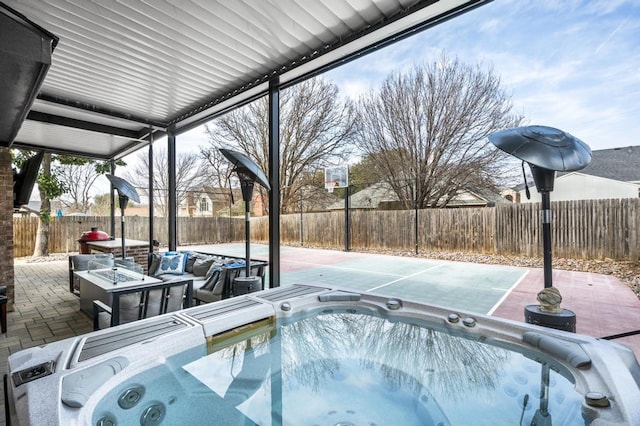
(244,285)
(564,320)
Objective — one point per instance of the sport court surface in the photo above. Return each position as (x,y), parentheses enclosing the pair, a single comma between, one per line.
(464,286)
(604,306)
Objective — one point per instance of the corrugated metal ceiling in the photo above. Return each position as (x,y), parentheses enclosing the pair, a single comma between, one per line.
(128,65)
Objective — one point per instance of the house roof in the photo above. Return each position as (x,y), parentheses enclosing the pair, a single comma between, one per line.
(621,164)
(124,69)
(372,196)
(476,196)
(368,198)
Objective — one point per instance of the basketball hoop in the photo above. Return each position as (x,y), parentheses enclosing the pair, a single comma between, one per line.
(336,177)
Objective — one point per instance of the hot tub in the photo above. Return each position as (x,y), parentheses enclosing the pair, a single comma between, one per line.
(306,355)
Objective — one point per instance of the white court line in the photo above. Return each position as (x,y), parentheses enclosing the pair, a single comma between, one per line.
(342,268)
(404,278)
(504,296)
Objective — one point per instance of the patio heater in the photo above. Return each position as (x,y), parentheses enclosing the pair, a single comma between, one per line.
(126,191)
(248,173)
(546,150)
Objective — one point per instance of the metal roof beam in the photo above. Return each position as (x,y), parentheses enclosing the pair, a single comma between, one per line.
(83,125)
(74,103)
(30,147)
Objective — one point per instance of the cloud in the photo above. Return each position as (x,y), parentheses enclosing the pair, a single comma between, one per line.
(570,64)
(354,88)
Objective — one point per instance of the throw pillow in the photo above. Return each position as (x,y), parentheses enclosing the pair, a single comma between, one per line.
(154,265)
(213,276)
(202,265)
(172,263)
(193,256)
(215,266)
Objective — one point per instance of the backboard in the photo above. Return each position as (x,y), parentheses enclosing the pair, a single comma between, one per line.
(336,177)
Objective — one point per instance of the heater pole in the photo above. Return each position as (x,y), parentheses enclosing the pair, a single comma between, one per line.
(247,194)
(122,231)
(247,235)
(123,200)
(546,238)
(347,235)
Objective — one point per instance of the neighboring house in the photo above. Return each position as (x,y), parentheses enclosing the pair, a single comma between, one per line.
(476,197)
(612,173)
(512,194)
(259,202)
(138,210)
(368,198)
(206,202)
(381,196)
(209,201)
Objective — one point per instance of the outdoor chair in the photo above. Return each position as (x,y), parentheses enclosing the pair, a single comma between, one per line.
(222,287)
(133,305)
(214,290)
(80,262)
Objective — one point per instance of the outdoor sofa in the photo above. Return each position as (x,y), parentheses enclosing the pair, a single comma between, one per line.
(213,275)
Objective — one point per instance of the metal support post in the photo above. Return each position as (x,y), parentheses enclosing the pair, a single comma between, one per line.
(274,182)
(112,212)
(151,189)
(172,198)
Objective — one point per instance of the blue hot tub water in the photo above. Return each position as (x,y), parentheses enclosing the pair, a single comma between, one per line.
(343,368)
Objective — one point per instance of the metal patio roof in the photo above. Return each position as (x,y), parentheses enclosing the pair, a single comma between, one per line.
(124,67)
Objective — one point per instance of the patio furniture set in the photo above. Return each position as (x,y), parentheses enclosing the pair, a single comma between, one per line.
(116,291)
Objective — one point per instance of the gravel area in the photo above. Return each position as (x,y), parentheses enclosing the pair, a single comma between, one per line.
(627,272)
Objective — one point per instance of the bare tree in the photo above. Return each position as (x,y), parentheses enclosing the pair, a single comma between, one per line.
(316,128)
(78,176)
(190,175)
(49,187)
(424,131)
(218,167)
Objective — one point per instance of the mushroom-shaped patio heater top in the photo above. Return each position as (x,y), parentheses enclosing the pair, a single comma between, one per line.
(546,150)
(248,173)
(126,191)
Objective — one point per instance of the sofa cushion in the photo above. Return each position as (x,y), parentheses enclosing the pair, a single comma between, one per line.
(198,282)
(193,256)
(202,265)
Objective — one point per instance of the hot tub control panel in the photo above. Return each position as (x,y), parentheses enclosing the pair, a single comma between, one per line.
(33,373)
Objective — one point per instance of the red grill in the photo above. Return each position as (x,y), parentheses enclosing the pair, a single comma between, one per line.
(93,235)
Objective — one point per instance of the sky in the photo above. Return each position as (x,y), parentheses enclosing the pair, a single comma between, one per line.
(569,64)
(573,65)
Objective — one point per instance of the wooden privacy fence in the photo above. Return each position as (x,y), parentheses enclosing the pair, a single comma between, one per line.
(588,229)
(66,230)
(592,229)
